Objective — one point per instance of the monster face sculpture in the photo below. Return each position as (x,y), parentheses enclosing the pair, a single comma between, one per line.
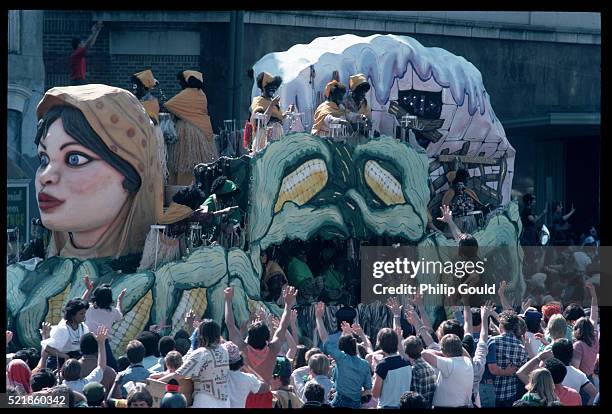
(299,188)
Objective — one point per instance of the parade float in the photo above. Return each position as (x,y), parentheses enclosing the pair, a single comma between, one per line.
(432,113)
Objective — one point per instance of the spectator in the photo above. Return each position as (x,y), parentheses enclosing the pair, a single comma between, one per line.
(533,320)
(241,383)
(95,394)
(122,363)
(575,379)
(541,389)
(529,236)
(314,394)
(550,309)
(456,374)
(182,345)
(586,338)
(411,400)
(557,328)
(101,313)
(89,361)
(393,374)
(30,356)
(506,355)
(139,397)
(344,314)
(300,357)
(71,371)
(135,372)
(352,373)
(65,338)
(208,368)
(284,394)
(423,375)
(173,397)
(77,57)
(165,345)
(150,341)
(318,373)
(42,379)
(560,225)
(572,313)
(18,375)
(566,395)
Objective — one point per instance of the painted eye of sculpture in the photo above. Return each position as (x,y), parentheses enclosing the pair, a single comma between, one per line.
(44,160)
(303,183)
(77,159)
(383,184)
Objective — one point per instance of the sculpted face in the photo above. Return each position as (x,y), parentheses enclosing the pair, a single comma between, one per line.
(76,190)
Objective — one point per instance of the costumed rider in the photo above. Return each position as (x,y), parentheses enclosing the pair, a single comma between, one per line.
(273,279)
(142,84)
(334,289)
(171,244)
(462,201)
(269,105)
(195,134)
(330,112)
(225,230)
(300,276)
(356,102)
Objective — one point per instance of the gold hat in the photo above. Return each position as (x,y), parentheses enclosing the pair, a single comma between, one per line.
(175,213)
(146,77)
(194,73)
(332,84)
(356,80)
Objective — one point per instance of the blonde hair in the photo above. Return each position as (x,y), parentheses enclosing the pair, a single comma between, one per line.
(173,360)
(541,383)
(557,326)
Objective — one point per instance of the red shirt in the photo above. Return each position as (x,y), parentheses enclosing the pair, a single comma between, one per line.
(567,396)
(77,63)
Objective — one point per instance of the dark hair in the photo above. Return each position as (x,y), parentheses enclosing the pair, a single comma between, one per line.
(526,403)
(314,392)
(337,90)
(468,246)
(149,340)
(30,356)
(217,184)
(508,319)
(476,318)
(413,346)
(300,357)
(573,312)
(451,345)
(563,350)
(557,369)
(533,324)
(135,351)
(139,393)
(181,333)
(88,344)
(43,378)
(182,345)
(365,86)
(258,335)
(387,340)
(276,81)
(209,333)
(462,175)
(75,41)
(527,198)
(584,331)
(165,345)
(192,82)
(412,400)
(451,326)
(102,296)
(190,196)
(237,365)
(123,363)
(73,307)
(76,125)
(348,344)
(71,370)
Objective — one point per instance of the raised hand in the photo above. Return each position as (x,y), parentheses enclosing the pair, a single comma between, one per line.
(121,295)
(9,337)
(101,334)
(590,288)
(293,316)
(45,331)
(87,282)
(273,323)
(394,306)
(346,328)
(290,296)
(319,310)
(447,214)
(526,304)
(229,293)
(357,329)
(412,317)
(544,355)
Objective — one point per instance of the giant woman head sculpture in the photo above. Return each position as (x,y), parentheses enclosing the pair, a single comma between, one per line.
(98,186)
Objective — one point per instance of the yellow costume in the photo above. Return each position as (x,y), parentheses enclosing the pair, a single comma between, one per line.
(195,135)
(262,104)
(349,102)
(121,122)
(319,126)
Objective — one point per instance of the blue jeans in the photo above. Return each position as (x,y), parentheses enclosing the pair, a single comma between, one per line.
(342,401)
(487,395)
(110,358)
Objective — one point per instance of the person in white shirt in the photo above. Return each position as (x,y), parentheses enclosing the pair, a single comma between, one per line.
(456,374)
(64,341)
(241,384)
(71,371)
